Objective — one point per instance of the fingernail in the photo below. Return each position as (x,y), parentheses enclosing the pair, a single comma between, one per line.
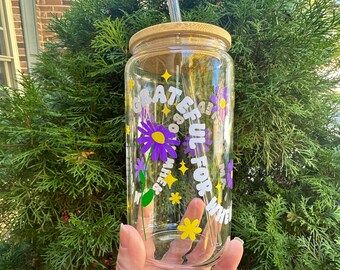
(239,239)
(124,236)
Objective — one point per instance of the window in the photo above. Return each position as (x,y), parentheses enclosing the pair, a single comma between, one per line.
(29,25)
(9,59)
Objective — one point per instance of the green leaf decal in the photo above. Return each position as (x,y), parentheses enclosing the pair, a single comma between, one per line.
(147,197)
(141,177)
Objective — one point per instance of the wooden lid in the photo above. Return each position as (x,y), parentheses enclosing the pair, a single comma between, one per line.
(195,28)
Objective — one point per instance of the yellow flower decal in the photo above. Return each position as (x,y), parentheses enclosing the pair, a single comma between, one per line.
(189,229)
(131,84)
(175,198)
(127,130)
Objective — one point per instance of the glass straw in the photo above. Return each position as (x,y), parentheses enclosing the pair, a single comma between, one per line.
(175,13)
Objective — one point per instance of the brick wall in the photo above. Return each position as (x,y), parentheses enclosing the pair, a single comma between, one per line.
(45,10)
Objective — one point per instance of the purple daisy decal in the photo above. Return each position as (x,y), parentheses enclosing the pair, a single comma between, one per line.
(140,166)
(200,147)
(221,101)
(230,174)
(159,139)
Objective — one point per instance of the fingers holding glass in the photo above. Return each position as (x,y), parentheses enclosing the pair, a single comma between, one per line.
(192,246)
(231,256)
(189,227)
(206,246)
(145,228)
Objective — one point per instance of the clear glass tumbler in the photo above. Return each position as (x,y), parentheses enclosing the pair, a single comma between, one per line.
(179,122)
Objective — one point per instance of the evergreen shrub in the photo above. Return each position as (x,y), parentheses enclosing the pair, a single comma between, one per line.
(62,163)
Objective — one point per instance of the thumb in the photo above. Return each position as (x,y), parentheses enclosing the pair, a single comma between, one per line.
(231,256)
(131,254)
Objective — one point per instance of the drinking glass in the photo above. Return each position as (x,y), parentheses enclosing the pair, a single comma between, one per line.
(179,123)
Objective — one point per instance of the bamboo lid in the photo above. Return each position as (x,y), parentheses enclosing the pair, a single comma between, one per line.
(185,28)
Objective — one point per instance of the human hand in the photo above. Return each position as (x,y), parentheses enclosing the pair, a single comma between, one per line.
(133,251)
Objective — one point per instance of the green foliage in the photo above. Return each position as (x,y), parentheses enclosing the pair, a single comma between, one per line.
(206,12)
(282,79)
(15,256)
(110,45)
(76,29)
(62,148)
(284,132)
(86,240)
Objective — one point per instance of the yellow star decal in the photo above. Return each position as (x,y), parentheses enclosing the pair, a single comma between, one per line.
(130,102)
(166,75)
(166,110)
(169,179)
(218,186)
(219,198)
(183,168)
(127,130)
(131,84)
(219,192)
